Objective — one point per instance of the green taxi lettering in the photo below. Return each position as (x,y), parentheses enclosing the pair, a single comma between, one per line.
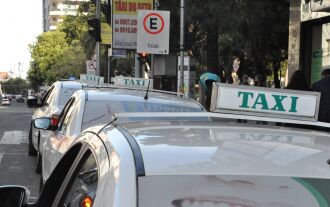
(293,104)
(260,99)
(245,98)
(278,100)
(133,82)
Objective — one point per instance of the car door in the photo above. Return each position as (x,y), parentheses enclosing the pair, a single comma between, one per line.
(43,111)
(80,177)
(52,145)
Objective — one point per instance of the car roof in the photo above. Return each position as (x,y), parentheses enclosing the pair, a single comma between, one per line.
(138,95)
(70,84)
(222,147)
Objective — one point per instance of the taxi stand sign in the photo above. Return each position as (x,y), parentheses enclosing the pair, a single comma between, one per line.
(133,82)
(268,102)
(153,34)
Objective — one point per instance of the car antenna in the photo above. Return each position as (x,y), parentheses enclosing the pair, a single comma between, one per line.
(146,96)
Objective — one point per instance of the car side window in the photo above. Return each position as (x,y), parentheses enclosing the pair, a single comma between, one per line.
(64,114)
(51,98)
(82,186)
(46,98)
(66,119)
(71,119)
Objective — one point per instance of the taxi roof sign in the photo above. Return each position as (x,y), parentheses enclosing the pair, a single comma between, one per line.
(133,82)
(267,102)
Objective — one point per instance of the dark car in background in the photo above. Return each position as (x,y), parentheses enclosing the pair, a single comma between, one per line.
(19,98)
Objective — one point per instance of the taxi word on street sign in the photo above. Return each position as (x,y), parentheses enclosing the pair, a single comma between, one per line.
(153,33)
(249,100)
(133,82)
(92,79)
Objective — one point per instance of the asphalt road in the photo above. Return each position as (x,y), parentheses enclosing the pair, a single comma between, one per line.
(16,166)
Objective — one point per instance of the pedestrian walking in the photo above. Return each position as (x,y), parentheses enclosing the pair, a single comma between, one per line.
(206,81)
(323,86)
(298,81)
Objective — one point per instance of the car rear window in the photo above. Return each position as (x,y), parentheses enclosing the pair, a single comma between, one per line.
(99,112)
(233,191)
(65,95)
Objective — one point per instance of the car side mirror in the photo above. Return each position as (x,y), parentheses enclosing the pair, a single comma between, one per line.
(13,196)
(42,123)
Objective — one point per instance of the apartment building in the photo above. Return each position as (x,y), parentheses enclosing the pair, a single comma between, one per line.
(54,10)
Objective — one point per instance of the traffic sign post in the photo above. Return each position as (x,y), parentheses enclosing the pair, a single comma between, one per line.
(90,67)
(153,33)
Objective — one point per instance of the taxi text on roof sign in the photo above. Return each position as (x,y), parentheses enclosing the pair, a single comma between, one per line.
(133,82)
(249,100)
(93,79)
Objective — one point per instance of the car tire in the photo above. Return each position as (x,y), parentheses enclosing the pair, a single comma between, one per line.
(32,150)
(39,161)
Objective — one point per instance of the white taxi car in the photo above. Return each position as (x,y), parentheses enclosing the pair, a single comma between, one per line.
(50,106)
(91,107)
(188,163)
(5,101)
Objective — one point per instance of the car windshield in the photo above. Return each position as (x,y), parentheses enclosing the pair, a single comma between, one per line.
(97,112)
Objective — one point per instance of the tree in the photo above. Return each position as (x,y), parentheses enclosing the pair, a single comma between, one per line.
(46,52)
(15,86)
(61,53)
(73,62)
(255,31)
(54,58)
(264,25)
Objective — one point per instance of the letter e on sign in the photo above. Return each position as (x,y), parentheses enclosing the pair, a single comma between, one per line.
(153,23)
(153,31)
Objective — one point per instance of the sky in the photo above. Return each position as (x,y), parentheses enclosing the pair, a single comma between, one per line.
(21,23)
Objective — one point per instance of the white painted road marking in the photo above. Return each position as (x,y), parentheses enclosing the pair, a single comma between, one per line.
(14,137)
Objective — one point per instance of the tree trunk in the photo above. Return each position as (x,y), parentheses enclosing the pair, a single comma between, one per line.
(212,49)
(276,78)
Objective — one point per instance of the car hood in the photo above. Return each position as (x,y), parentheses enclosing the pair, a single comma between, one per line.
(232,149)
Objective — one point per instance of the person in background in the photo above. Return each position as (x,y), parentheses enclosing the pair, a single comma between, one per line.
(298,81)
(206,81)
(323,86)
(259,80)
(245,80)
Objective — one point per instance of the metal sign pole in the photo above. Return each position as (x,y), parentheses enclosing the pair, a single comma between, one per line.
(98,44)
(181,88)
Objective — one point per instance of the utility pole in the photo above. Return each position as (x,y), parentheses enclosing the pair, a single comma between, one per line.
(98,44)
(182,6)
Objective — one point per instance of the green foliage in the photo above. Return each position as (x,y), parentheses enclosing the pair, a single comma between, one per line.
(54,58)
(48,49)
(63,52)
(256,31)
(73,62)
(35,76)
(15,86)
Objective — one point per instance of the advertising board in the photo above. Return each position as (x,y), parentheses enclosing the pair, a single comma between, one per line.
(125,21)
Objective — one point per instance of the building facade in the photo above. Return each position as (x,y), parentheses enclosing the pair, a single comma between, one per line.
(4,76)
(53,11)
(309,37)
